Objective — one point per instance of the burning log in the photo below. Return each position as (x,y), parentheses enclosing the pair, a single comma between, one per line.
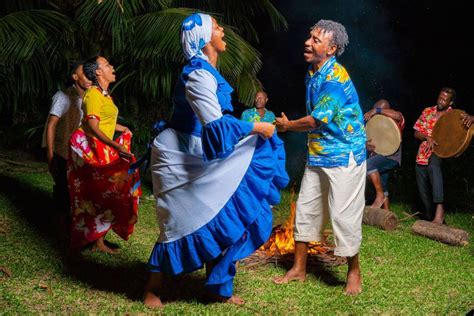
(380,218)
(281,240)
(280,247)
(442,233)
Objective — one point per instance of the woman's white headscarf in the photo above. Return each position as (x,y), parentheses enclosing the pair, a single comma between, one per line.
(196,31)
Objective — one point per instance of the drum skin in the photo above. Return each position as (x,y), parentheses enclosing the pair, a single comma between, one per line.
(384,133)
(452,136)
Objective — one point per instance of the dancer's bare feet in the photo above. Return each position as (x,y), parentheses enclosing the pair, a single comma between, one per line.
(99,245)
(354,279)
(298,271)
(152,300)
(291,275)
(354,283)
(154,284)
(234,299)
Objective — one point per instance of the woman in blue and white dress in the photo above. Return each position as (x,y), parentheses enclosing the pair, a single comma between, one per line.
(214,176)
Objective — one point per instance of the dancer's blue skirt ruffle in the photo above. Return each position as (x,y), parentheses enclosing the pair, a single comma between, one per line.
(241,226)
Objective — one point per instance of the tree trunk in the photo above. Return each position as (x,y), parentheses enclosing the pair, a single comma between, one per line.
(443,233)
(380,218)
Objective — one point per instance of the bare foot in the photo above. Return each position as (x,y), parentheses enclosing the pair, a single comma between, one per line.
(234,299)
(291,275)
(354,283)
(378,202)
(100,246)
(438,221)
(152,300)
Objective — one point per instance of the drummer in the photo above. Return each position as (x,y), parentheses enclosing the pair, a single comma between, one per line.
(378,166)
(429,176)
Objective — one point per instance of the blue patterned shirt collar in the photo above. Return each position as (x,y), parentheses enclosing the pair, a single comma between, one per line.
(324,69)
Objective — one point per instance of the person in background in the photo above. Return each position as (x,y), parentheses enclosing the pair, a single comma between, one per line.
(378,166)
(64,118)
(259,113)
(429,175)
(104,190)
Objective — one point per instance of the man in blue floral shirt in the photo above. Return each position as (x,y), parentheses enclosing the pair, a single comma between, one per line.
(259,113)
(334,180)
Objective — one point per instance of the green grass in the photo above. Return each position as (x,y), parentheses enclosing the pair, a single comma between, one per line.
(403,273)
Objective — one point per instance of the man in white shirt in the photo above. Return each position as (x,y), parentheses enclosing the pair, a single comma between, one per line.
(64,118)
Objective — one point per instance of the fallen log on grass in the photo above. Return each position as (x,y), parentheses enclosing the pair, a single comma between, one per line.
(380,218)
(442,233)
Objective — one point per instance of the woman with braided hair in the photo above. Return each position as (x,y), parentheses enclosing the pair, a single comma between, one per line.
(104,191)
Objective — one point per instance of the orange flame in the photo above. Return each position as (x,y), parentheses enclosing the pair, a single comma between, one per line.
(281,240)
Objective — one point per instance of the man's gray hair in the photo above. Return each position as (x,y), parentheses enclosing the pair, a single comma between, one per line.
(339,34)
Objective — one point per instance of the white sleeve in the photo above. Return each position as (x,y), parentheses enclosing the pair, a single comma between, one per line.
(201,95)
(60,104)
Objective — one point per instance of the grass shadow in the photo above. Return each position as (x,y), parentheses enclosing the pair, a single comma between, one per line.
(35,205)
(321,271)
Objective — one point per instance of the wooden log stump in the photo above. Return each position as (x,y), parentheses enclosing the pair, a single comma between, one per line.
(380,218)
(442,233)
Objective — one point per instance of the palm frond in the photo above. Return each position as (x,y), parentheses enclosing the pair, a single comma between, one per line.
(153,79)
(141,36)
(157,37)
(238,13)
(10,6)
(108,19)
(23,32)
(247,86)
(157,34)
(30,45)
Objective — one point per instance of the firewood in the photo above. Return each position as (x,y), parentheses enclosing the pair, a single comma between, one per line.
(442,233)
(380,218)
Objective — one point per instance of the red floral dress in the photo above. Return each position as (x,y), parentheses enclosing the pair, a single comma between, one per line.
(104,191)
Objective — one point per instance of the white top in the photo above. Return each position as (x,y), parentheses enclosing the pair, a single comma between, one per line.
(67,105)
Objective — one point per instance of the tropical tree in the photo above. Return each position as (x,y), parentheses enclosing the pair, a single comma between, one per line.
(38,39)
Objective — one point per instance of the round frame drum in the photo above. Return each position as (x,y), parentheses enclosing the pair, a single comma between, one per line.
(384,133)
(451,135)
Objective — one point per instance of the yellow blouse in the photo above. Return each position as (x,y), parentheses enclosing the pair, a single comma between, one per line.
(103,108)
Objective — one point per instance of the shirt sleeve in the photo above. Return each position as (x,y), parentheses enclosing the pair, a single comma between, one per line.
(201,95)
(219,133)
(60,104)
(245,116)
(420,124)
(330,99)
(92,104)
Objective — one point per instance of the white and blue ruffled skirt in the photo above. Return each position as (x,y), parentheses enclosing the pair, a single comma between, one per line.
(213,195)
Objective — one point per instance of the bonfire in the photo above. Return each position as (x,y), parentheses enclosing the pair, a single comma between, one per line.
(281,246)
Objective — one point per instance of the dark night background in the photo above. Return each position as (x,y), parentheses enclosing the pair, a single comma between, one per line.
(402,51)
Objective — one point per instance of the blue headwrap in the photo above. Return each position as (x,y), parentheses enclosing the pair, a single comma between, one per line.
(196,31)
